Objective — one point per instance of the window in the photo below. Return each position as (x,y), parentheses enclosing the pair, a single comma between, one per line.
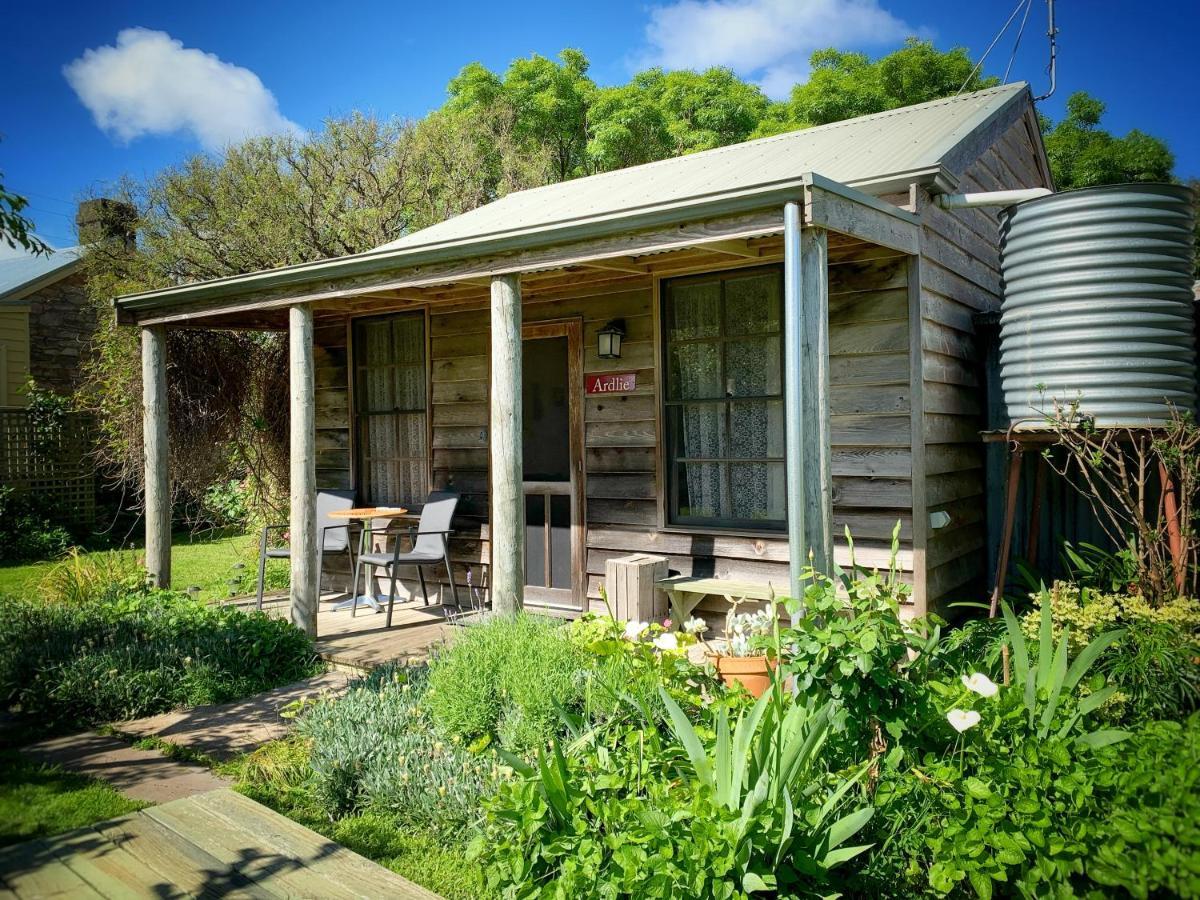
(723,383)
(391,425)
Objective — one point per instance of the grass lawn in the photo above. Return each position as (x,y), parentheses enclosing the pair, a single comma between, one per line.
(37,800)
(206,560)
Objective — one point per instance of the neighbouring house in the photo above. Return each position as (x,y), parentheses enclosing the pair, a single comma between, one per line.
(795,355)
(45,323)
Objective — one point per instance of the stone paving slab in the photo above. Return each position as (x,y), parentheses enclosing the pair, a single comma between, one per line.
(227,730)
(141,774)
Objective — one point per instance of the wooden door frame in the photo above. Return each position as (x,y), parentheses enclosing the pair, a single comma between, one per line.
(572,329)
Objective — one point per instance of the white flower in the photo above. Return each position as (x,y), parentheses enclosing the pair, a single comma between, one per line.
(635,629)
(981,684)
(962,719)
(695,626)
(667,641)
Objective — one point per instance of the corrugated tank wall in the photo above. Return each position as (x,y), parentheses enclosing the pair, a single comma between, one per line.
(1097,304)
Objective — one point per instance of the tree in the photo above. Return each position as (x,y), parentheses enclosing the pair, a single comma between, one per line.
(356,184)
(1082,154)
(15,229)
(546,102)
(844,85)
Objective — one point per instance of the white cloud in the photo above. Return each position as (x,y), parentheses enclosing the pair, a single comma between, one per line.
(769,40)
(149,83)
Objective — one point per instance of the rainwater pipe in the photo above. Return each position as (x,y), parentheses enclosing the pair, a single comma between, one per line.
(990,198)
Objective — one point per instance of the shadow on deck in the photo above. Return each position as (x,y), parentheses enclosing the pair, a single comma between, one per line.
(361,641)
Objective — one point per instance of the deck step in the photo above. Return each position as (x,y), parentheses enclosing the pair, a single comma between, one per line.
(215,844)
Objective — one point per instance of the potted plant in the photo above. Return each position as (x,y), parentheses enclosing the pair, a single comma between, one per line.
(746,660)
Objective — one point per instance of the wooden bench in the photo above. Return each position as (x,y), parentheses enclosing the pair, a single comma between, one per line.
(685,592)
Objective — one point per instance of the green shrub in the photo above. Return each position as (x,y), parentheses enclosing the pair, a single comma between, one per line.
(506,679)
(27,528)
(1154,665)
(375,748)
(1148,837)
(145,653)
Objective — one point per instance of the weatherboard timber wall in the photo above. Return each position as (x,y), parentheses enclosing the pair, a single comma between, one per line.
(960,276)
(871,427)
(14,353)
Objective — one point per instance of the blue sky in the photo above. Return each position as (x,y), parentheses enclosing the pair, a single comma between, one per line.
(277,65)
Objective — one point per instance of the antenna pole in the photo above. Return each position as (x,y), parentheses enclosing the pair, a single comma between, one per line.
(1051,33)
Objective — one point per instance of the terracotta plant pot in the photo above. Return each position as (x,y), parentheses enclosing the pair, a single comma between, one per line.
(751,672)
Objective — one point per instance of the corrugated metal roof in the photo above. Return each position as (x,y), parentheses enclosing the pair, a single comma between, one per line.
(22,274)
(869,150)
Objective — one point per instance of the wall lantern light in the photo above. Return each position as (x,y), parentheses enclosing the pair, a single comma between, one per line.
(608,339)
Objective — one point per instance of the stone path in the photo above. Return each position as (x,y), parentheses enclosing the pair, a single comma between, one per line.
(141,774)
(221,732)
(230,729)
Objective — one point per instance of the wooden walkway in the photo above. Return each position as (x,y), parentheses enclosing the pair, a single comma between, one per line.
(218,844)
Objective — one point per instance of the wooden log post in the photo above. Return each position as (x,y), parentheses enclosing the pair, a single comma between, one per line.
(806,397)
(156,455)
(303,526)
(507,457)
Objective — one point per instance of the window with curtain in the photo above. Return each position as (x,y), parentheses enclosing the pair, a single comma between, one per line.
(391,408)
(723,390)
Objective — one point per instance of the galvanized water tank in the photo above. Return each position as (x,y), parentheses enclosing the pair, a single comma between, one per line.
(1098,304)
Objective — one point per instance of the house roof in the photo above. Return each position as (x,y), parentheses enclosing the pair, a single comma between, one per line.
(876,153)
(21,276)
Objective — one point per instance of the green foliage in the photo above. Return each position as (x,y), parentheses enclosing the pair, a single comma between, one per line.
(1082,154)
(846,642)
(139,653)
(844,85)
(1152,668)
(375,749)
(27,528)
(605,822)
(38,800)
(1149,832)
(505,679)
(420,856)
(279,775)
(16,230)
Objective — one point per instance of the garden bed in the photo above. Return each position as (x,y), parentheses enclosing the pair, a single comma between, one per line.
(533,758)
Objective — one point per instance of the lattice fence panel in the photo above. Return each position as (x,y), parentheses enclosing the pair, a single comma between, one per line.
(52,463)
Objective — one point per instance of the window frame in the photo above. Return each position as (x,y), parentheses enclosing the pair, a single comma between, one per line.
(669,460)
(359,460)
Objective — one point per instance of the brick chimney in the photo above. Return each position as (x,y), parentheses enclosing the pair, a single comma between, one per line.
(102,219)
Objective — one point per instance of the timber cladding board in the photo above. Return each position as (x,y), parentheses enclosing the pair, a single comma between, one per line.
(959,277)
(869,399)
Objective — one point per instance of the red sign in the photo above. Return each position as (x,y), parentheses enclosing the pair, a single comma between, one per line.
(611,383)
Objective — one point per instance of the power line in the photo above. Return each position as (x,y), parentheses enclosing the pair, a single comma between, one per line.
(995,40)
(1017,42)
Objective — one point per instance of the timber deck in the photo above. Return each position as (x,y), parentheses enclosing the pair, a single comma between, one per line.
(216,844)
(362,642)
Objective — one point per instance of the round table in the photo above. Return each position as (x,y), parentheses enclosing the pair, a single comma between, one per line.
(367,515)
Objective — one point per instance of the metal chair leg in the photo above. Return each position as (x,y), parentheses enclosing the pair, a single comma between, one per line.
(453,586)
(424,592)
(391,598)
(262,566)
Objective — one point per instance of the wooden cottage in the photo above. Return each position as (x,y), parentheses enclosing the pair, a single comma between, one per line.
(796,356)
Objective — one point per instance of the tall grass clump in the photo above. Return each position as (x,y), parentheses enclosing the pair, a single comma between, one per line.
(506,680)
